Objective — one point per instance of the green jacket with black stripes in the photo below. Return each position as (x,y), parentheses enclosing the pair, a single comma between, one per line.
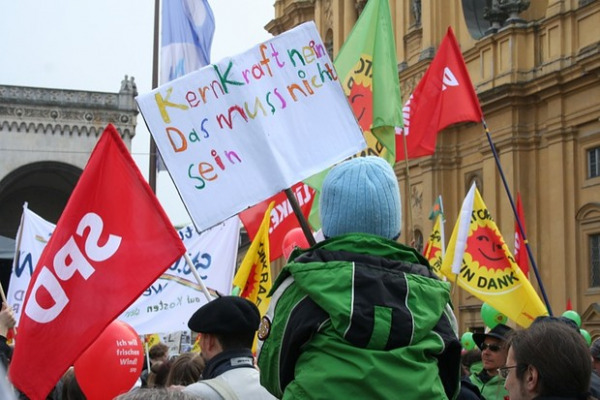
(359,317)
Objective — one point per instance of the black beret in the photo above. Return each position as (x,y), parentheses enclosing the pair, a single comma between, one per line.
(227,314)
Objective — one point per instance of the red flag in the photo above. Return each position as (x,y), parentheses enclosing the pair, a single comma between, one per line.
(111,242)
(444,96)
(520,251)
(282,217)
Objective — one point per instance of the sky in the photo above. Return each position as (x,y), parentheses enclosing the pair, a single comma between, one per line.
(92,45)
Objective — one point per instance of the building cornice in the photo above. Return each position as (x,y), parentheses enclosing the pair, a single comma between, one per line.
(67,112)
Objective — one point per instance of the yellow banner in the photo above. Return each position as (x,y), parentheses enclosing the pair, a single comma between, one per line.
(254,275)
(433,248)
(152,339)
(488,270)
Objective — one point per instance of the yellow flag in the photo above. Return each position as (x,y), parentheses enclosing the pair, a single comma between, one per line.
(196,347)
(254,275)
(253,278)
(152,339)
(434,248)
(480,262)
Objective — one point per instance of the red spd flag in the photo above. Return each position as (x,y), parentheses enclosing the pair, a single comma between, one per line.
(443,97)
(520,251)
(111,242)
(283,218)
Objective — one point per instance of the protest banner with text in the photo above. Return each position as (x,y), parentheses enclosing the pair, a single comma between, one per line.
(168,304)
(236,132)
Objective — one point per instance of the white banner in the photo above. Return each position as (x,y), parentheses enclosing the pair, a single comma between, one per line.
(32,236)
(235,133)
(168,304)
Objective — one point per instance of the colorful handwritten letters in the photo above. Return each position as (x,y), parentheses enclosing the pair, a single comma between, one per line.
(234,133)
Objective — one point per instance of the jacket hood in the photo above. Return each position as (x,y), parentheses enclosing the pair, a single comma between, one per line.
(376,291)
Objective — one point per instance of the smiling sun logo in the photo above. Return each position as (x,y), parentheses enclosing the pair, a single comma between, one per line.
(488,266)
(486,248)
(361,100)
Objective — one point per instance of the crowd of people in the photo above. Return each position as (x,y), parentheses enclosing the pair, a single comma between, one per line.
(358,315)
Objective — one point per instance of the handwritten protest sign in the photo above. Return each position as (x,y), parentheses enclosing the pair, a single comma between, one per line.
(168,304)
(235,133)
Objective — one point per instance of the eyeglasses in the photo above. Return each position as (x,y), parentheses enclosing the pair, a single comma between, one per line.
(493,347)
(505,370)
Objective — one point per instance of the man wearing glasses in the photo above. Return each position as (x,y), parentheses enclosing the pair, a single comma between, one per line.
(493,356)
(548,360)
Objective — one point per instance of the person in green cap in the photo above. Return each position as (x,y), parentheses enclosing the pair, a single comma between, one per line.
(493,356)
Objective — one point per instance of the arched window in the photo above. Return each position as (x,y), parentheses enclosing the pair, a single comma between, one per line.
(588,221)
(329,43)
(418,240)
(473,11)
(474,177)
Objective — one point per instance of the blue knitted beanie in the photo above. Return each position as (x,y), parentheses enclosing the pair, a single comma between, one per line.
(361,195)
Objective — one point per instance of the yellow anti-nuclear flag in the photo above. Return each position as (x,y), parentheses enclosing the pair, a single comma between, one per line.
(254,275)
(253,278)
(434,248)
(479,260)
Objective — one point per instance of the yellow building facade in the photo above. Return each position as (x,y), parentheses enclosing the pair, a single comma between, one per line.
(536,71)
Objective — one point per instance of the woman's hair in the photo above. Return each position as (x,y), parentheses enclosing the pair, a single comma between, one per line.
(161,372)
(185,369)
(70,386)
(159,350)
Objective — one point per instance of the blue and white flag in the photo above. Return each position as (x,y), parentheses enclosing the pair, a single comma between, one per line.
(34,232)
(187,33)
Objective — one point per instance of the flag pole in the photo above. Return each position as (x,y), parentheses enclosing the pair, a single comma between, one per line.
(298,211)
(147,352)
(442,228)
(410,220)
(189,262)
(512,204)
(152,162)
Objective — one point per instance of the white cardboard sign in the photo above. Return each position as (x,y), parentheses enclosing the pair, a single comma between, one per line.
(236,132)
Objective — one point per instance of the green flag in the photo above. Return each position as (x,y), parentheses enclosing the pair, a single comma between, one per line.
(368,71)
(437,208)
